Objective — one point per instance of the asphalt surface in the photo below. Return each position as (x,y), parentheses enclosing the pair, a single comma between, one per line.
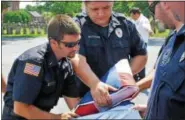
(12,48)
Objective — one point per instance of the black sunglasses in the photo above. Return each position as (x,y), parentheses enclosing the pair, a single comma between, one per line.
(152,7)
(71,44)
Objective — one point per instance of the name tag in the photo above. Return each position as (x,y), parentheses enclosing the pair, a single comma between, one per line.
(182,57)
(94,36)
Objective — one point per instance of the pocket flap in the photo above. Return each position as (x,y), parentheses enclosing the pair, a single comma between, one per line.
(94,43)
(119,43)
(175,80)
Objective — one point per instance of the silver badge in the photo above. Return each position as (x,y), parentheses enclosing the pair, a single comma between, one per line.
(119,32)
(182,57)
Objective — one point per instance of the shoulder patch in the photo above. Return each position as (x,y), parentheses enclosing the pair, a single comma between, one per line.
(32,69)
(81,19)
(120,15)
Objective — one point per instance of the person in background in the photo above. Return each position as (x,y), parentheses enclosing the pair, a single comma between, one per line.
(144,28)
(167,97)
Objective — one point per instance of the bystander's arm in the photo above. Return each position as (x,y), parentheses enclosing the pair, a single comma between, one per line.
(3,85)
(146,81)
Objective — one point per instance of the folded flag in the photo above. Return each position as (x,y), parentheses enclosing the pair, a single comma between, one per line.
(87,106)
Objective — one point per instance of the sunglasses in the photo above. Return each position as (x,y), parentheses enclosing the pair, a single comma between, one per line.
(152,7)
(71,44)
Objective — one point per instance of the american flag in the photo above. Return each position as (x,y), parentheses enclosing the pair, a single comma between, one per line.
(32,69)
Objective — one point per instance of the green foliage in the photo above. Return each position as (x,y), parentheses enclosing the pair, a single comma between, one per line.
(121,7)
(25,16)
(73,7)
(125,6)
(56,7)
(19,16)
(30,8)
(161,34)
(47,16)
(65,7)
(8,17)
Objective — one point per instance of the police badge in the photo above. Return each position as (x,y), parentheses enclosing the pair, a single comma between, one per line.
(119,32)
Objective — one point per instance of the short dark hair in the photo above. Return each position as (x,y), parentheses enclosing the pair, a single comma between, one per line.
(135,10)
(60,25)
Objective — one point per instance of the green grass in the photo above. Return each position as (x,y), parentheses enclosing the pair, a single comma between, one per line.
(25,35)
(161,34)
(157,34)
(28,34)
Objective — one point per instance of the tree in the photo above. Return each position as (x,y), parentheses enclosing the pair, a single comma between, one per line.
(47,16)
(17,16)
(8,17)
(25,16)
(125,6)
(63,7)
(30,8)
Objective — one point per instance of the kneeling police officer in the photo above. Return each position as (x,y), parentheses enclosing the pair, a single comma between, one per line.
(44,73)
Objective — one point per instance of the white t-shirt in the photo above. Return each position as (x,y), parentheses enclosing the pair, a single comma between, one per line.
(143,27)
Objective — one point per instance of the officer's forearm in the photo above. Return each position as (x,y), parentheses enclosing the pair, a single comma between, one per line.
(146,82)
(83,71)
(138,63)
(32,112)
(71,102)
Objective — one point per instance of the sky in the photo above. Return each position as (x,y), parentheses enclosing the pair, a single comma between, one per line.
(24,4)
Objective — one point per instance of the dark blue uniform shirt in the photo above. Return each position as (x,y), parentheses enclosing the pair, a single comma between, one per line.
(104,47)
(167,98)
(37,78)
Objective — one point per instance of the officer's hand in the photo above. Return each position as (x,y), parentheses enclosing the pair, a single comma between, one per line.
(141,109)
(68,115)
(100,93)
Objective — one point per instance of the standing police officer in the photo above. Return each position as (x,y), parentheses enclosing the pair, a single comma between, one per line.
(43,74)
(167,99)
(107,38)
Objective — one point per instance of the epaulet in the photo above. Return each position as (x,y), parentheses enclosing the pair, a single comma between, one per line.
(36,53)
(81,18)
(119,15)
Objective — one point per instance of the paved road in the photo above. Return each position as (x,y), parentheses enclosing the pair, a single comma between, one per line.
(11,48)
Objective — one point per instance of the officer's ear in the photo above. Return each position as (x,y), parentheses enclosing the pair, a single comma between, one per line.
(53,43)
(165,5)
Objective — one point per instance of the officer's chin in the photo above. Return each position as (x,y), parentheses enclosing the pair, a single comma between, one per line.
(71,55)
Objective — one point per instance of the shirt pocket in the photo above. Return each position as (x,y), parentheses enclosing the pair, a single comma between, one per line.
(176,77)
(176,82)
(94,50)
(120,49)
(49,85)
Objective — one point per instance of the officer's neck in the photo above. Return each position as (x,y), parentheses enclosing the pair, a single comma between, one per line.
(178,26)
(58,54)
